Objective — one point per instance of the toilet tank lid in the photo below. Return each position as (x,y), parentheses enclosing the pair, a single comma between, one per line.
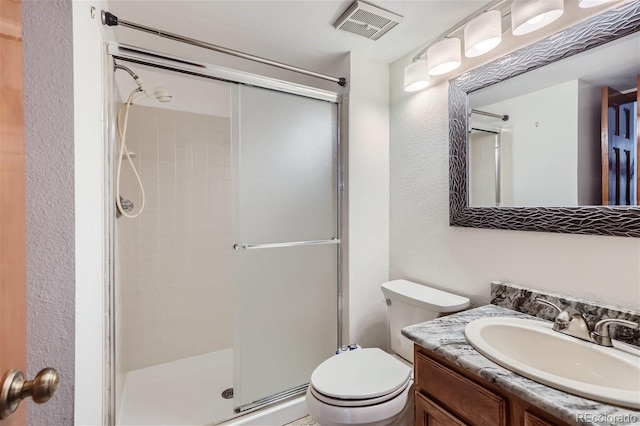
(424,297)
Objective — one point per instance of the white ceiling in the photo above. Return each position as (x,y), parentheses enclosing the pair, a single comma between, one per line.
(300,32)
(295,32)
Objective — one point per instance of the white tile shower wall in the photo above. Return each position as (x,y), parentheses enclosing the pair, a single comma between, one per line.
(176,284)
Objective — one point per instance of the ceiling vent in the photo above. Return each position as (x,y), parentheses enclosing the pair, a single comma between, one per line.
(367,20)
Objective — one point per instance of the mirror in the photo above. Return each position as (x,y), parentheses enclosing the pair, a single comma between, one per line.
(516,184)
(535,139)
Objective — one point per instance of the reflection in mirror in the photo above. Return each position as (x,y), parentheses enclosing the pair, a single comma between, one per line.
(490,165)
(605,30)
(548,153)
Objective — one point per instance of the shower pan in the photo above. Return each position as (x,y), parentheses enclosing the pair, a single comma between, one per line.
(228,282)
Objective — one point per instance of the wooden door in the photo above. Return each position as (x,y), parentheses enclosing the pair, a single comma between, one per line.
(12,204)
(619,147)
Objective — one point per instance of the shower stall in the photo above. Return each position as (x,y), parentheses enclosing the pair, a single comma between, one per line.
(490,154)
(224,289)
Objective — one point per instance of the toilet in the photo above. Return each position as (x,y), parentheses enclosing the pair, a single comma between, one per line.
(369,386)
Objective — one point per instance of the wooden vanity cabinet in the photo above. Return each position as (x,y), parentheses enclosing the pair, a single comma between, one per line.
(447,395)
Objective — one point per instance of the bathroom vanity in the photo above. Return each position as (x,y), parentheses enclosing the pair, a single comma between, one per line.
(456,385)
(448,395)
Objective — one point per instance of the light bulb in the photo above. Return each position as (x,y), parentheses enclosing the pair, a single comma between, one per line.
(536,19)
(444,56)
(416,76)
(487,45)
(592,3)
(483,33)
(530,15)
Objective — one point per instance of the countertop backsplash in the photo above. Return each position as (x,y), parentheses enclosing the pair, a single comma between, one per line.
(522,299)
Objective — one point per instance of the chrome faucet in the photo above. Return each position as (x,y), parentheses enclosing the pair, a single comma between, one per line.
(573,323)
(600,333)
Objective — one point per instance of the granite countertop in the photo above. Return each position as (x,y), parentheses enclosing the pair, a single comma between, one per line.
(445,337)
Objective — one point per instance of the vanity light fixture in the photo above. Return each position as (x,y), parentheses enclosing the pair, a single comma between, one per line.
(416,76)
(592,3)
(530,15)
(444,56)
(483,33)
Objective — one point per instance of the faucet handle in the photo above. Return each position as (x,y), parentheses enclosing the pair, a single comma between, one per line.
(546,302)
(563,317)
(600,333)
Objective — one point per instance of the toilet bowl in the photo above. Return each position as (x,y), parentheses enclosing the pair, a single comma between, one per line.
(369,386)
(362,387)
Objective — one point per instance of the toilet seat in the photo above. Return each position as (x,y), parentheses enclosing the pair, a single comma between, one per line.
(359,378)
(338,402)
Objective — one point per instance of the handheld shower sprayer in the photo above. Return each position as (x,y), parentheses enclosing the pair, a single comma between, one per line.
(139,81)
(160,93)
(123,206)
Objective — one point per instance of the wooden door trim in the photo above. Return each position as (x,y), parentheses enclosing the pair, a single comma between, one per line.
(604,144)
(12,198)
(637,93)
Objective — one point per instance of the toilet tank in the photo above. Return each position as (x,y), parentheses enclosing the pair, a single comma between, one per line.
(410,303)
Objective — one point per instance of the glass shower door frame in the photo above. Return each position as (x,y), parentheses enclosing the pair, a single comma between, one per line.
(125,52)
(285,244)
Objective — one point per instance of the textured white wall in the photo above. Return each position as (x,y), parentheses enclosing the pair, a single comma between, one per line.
(424,248)
(48,84)
(368,201)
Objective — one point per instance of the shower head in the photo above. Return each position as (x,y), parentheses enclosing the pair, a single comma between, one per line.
(139,81)
(162,94)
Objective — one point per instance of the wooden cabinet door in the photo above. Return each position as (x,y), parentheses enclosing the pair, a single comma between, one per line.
(428,413)
(469,400)
(531,419)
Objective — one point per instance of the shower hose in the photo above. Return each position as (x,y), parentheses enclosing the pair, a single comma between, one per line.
(122,132)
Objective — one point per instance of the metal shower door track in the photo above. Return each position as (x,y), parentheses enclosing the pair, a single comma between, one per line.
(112,20)
(157,59)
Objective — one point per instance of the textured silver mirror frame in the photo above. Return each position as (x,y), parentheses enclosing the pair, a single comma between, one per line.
(593,220)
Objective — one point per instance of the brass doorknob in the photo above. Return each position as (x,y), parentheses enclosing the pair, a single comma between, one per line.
(15,388)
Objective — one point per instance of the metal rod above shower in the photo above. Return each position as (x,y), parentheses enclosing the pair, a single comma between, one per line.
(112,20)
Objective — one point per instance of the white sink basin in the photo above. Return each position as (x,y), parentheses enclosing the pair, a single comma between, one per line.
(532,349)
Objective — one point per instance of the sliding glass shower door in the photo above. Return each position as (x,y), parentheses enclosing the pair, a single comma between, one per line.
(286,251)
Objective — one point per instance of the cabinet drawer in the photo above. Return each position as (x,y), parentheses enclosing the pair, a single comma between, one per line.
(428,413)
(531,419)
(469,401)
